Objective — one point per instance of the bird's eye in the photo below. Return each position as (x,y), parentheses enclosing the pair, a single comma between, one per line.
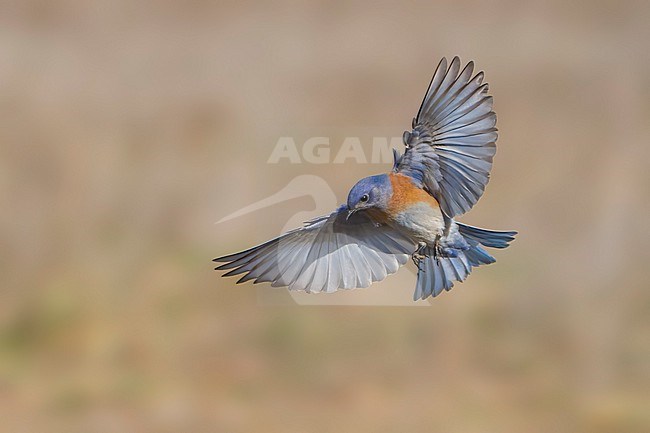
(364,198)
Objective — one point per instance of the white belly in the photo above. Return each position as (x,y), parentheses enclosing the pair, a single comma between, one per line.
(421,221)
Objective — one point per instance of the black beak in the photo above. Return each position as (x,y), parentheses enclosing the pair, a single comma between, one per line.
(350,213)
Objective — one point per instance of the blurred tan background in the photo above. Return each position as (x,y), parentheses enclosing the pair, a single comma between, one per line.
(128,128)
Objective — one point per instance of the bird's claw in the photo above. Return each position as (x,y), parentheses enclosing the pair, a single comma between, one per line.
(418,255)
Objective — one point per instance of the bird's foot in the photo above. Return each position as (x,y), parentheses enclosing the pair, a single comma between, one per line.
(450,246)
(419,255)
(438,249)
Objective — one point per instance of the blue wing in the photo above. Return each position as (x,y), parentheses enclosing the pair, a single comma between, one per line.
(329,253)
(450,149)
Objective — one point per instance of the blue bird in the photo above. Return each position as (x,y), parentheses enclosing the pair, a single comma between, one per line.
(408,212)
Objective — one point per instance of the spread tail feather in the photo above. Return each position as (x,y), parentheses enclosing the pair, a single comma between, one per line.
(438,273)
(488,238)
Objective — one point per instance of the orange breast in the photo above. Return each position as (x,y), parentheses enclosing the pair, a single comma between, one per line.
(406,193)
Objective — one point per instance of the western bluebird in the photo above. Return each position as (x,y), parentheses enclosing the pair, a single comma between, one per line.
(408,212)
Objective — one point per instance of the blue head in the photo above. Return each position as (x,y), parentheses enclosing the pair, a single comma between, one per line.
(372,192)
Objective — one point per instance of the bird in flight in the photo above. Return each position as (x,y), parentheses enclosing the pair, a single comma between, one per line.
(408,212)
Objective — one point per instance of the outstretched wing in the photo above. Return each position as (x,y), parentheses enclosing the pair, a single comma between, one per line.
(450,149)
(328,253)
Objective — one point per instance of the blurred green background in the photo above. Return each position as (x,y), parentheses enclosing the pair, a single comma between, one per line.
(128,128)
